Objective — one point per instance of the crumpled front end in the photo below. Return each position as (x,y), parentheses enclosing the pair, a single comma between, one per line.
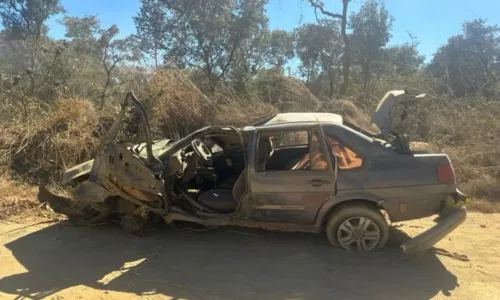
(87,204)
(117,180)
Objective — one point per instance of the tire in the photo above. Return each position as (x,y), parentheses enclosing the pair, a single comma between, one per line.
(357,227)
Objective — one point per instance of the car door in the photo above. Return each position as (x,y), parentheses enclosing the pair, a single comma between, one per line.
(294,193)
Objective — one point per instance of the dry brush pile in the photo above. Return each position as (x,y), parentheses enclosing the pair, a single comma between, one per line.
(52,139)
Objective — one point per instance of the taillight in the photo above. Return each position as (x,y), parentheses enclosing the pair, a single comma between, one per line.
(446,173)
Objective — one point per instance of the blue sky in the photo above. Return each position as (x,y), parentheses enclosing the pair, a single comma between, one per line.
(431,21)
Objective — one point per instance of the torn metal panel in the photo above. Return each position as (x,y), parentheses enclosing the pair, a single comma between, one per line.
(90,192)
(77,171)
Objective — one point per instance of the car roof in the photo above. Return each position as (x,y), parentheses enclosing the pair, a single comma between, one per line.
(315,117)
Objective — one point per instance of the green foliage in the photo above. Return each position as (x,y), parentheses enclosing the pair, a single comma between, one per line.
(95,46)
(211,35)
(319,47)
(267,50)
(403,60)
(151,27)
(468,63)
(318,5)
(25,18)
(225,39)
(371,28)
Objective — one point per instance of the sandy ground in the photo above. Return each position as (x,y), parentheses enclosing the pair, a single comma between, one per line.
(66,262)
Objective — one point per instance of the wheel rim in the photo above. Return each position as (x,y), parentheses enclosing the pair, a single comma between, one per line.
(358,234)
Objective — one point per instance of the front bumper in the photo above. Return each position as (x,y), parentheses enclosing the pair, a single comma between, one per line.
(450,218)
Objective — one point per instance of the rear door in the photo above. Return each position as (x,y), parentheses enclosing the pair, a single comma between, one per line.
(294,192)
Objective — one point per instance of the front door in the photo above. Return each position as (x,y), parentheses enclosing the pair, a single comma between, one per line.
(291,175)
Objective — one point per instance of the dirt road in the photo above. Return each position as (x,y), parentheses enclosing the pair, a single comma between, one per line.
(66,262)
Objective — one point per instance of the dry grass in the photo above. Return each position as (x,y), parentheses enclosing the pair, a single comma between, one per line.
(16,198)
(468,133)
(484,206)
(286,93)
(38,150)
(176,107)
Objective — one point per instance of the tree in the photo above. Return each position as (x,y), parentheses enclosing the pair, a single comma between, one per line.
(266,50)
(151,27)
(82,31)
(483,41)
(467,63)
(26,18)
(278,48)
(319,5)
(319,48)
(207,34)
(403,59)
(113,51)
(371,28)
(24,23)
(101,45)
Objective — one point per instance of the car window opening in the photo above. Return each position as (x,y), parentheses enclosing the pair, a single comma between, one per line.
(346,158)
(290,151)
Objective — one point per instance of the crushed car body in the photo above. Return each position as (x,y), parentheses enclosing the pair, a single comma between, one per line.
(310,172)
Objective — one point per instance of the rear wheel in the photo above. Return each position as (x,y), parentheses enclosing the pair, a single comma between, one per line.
(357,227)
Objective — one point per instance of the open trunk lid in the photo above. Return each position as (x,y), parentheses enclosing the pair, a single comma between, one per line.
(382,117)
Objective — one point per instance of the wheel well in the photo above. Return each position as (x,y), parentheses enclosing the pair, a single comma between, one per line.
(338,206)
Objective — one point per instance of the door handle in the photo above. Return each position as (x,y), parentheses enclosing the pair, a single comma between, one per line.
(317,182)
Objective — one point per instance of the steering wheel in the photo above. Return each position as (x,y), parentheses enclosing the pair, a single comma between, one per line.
(201,150)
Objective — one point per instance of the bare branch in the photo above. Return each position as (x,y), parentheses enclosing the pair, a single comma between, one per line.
(231,55)
(319,5)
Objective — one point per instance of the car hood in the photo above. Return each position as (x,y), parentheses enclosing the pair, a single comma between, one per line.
(382,117)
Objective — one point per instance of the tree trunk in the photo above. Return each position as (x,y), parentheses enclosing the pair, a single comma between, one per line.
(103,95)
(24,104)
(486,68)
(31,74)
(331,79)
(366,75)
(156,57)
(347,49)
(449,83)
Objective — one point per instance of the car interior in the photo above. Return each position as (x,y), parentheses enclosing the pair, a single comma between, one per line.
(293,151)
(217,184)
(215,181)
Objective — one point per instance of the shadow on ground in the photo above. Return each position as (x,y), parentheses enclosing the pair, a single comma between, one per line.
(218,263)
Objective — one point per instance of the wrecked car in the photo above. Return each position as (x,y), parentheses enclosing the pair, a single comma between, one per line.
(306,172)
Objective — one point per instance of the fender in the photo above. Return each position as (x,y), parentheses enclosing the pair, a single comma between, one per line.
(342,197)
